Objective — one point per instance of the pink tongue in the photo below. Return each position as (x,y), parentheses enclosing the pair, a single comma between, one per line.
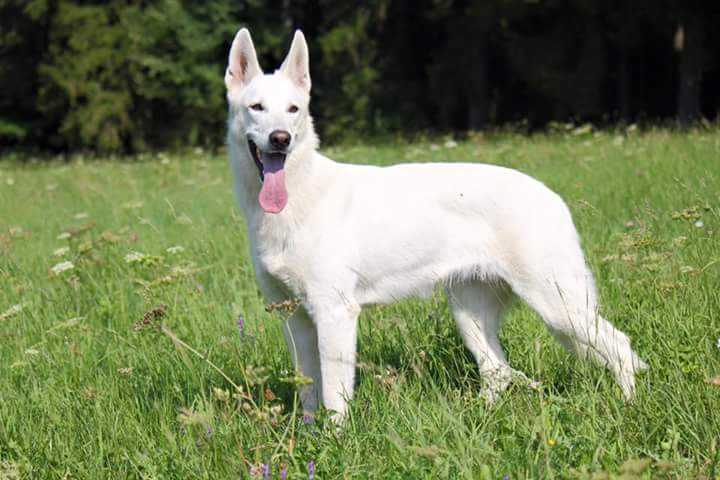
(273,195)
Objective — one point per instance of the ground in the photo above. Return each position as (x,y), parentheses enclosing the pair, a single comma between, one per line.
(128,309)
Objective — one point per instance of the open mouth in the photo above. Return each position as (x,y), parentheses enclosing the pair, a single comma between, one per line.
(271,168)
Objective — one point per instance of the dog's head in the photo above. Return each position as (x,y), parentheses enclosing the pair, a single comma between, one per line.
(269,112)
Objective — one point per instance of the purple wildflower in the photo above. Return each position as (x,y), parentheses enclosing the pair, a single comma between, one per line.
(266,471)
(311,469)
(209,432)
(241,323)
(308,419)
(506,477)
(283,472)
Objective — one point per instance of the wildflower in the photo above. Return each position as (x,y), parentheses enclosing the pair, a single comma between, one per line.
(451,144)
(266,470)
(699,224)
(287,306)
(12,311)
(151,318)
(134,257)
(32,351)
(241,323)
(132,205)
(175,250)
(143,259)
(311,469)
(188,417)
(81,216)
(718,343)
(127,371)
(308,419)
(209,432)
(66,324)
(184,219)
(62,267)
(551,442)
(61,252)
(283,472)
(64,236)
(221,394)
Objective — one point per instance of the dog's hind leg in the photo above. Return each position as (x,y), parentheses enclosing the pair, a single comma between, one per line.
(478,308)
(567,301)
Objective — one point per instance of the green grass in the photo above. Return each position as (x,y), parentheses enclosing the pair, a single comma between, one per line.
(85,395)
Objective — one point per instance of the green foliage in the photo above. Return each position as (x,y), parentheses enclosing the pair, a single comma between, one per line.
(351,53)
(124,76)
(135,75)
(86,77)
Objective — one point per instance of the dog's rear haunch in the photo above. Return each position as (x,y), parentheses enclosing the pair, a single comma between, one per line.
(339,237)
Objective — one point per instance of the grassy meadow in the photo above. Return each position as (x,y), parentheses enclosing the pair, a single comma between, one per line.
(129,315)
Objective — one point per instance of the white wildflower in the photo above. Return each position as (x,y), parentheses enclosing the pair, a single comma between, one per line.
(32,351)
(61,252)
(718,343)
(64,236)
(133,205)
(451,144)
(184,220)
(67,324)
(62,267)
(81,216)
(12,311)
(699,224)
(134,257)
(175,250)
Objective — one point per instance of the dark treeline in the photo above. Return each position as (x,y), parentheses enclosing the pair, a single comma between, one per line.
(125,76)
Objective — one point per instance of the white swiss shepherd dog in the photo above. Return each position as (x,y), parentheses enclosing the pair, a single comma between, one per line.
(339,237)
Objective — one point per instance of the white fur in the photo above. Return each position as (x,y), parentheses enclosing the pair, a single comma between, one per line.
(355,235)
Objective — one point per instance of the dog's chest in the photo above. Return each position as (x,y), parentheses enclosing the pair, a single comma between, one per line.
(283,266)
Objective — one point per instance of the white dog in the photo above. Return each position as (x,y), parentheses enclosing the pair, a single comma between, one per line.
(339,237)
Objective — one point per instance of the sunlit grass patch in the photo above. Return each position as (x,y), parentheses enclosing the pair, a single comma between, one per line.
(135,343)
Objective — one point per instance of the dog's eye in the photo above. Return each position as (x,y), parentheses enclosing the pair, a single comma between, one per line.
(258,107)
(293,109)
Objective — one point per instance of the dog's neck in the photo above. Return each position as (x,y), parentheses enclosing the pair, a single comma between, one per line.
(302,177)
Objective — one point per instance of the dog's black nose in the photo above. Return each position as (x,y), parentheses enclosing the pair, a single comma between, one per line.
(280,139)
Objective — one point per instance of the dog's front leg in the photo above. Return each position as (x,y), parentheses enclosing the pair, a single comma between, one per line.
(301,338)
(337,337)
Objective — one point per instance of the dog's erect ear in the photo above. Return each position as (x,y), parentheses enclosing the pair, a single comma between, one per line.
(243,64)
(297,63)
